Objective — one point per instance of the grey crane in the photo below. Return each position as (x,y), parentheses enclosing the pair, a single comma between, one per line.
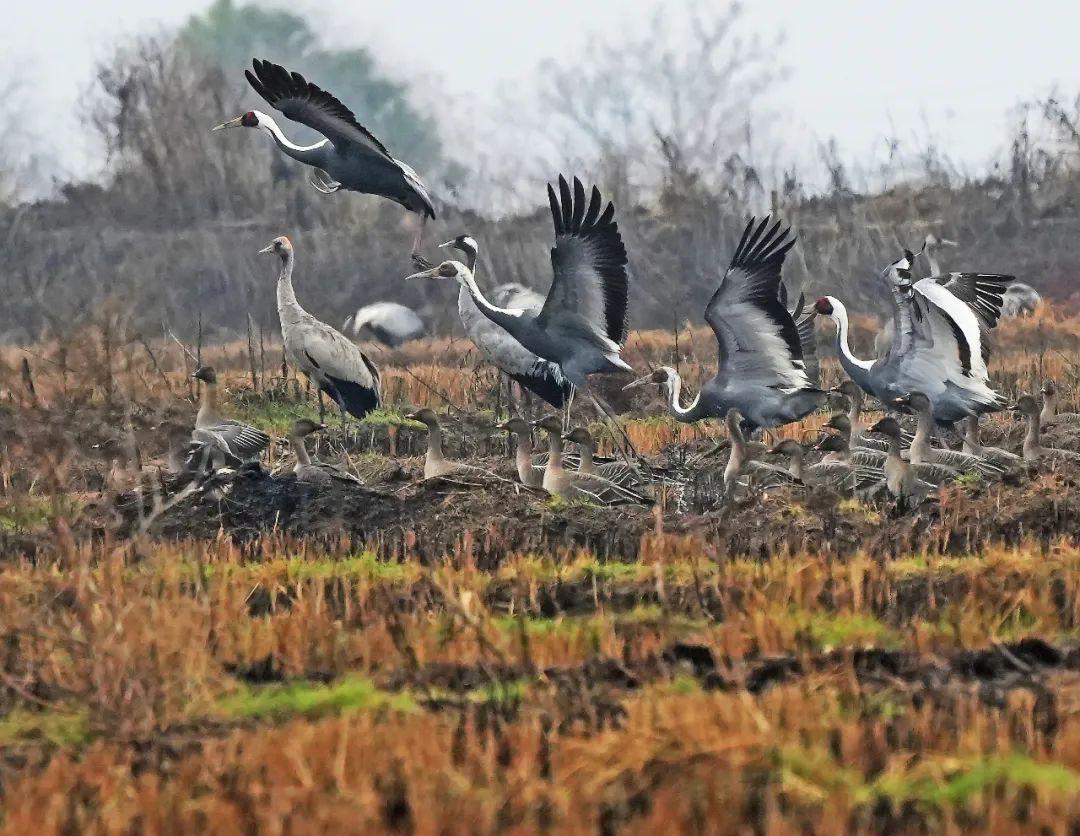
(921,450)
(307,470)
(390,323)
(218,441)
(767,367)
(583,322)
(1034,450)
(350,157)
(539,376)
(327,357)
(942,346)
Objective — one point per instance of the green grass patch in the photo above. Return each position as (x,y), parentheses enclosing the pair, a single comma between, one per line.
(29,513)
(306,699)
(828,630)
(62,727)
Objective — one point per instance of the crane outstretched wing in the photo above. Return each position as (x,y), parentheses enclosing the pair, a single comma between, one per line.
(588,260)
(307,103)
(757,336)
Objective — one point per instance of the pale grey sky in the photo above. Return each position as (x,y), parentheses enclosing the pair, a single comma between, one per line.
(858,70)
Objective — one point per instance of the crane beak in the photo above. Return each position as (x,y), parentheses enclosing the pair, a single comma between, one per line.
(269,248)
(947,243)
(447,244)
(424,274)
(641,381)
(232,123)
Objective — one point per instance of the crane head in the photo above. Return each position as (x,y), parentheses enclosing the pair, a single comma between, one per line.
(899,272)
(464,243)
(824,306)
(280,246)
(251,119)
(446,270)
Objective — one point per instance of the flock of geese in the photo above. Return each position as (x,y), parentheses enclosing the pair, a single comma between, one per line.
(932,366)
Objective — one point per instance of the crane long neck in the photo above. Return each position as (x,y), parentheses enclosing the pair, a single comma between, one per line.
(692,413)
(507,318)
(310,154)
(858,370)
(302,458)
(208,406)
(931,258)
(289,309)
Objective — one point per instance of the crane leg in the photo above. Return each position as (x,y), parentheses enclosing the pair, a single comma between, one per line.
(608,414)
(415,254)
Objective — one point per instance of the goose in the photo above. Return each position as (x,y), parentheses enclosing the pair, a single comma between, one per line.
(972,445)
(560,482)
(1049,414)
(1027,406)
(902,478)
(836,475)
(218,441)
(922,451)
(838,447)
(307,470)
(435,464)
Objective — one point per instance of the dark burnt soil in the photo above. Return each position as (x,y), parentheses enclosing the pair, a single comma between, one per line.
(1030,663)
(490,516)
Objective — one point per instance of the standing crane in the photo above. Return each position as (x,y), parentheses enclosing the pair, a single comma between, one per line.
(942,346)
(583,322)
(765,350)
(350,157)
(541,377)
(327,357)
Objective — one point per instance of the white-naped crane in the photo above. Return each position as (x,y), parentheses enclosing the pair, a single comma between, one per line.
(942,344)
(921,450)
(350,157)
(1033,449)
(390,323)
(503,350)
(582,325)
(767,368)
(218,441)
(308,470)
(327,357)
